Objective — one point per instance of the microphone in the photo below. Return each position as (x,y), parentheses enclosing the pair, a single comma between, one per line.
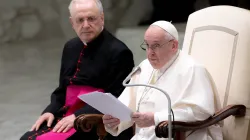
(151,86)
(138,68)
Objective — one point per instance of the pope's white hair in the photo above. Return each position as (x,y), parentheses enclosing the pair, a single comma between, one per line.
(168,36)
(98,3)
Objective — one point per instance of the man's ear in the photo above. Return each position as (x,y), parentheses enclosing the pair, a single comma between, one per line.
(102,18)
(175,45)
(71,21)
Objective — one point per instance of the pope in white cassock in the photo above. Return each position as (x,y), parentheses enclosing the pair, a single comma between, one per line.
(186,81)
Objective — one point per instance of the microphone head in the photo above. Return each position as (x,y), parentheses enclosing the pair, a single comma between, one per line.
(135,70)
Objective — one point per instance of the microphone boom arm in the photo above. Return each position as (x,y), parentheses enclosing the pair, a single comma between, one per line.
(166,94)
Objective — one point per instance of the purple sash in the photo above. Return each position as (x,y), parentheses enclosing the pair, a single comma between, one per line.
(74,103)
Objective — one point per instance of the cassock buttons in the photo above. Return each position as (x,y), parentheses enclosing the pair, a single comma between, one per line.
(78,62)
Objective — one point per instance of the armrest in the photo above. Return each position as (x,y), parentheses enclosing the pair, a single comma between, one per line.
(87,122)
(161,129)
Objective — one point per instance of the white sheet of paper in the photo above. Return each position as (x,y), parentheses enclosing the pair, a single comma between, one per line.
(107,104)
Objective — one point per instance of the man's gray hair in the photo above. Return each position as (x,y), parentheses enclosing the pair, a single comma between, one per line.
(98,3)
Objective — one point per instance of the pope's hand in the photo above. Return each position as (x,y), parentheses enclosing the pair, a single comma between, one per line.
(143,119)
(110,121)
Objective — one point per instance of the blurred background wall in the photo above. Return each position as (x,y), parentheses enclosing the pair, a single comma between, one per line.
(44,19)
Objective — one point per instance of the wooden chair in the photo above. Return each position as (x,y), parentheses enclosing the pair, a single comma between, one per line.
(218,37)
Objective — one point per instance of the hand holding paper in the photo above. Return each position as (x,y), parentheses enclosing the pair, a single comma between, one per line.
(110,121)
(107,104)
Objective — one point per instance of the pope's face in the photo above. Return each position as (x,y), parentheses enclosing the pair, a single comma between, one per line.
(160,49)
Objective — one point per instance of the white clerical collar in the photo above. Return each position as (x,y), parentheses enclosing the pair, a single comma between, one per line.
(168,64)
(85,43)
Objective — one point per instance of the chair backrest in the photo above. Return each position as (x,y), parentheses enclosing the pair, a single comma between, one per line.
(219,37)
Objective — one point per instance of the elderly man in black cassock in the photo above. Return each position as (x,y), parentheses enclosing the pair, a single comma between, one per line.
(95,60)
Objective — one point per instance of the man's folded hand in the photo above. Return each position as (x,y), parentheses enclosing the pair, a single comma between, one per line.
(65,124)
(49,117)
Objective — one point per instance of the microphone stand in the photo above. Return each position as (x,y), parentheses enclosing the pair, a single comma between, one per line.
(165,93)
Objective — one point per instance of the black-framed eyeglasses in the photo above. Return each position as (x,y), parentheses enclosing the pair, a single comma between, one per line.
(154,47)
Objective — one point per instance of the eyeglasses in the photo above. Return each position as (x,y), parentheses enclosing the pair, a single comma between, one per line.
(91,19)
(154,47)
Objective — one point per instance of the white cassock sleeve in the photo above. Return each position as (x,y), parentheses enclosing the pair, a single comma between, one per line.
(196,100)
(128,98)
